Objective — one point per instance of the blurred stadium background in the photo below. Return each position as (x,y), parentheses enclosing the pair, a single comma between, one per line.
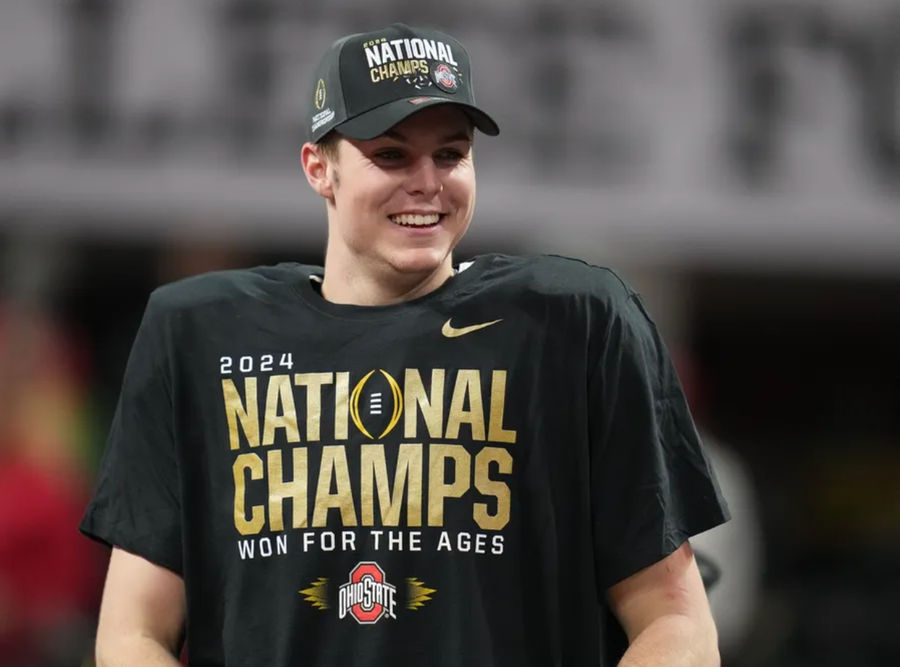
(737,160)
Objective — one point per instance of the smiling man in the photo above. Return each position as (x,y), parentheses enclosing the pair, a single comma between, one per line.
(397,205)
(395,459)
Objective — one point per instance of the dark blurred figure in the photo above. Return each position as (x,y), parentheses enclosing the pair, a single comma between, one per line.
(50,577)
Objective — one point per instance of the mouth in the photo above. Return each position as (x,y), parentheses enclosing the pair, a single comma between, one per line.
(417,219)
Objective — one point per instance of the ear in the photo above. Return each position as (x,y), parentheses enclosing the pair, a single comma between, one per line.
(315,166)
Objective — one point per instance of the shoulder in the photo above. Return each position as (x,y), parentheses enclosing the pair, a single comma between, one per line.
(232,288)
(573,294)
(555,276)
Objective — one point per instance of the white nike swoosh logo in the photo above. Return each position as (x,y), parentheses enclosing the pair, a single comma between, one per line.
(452,332)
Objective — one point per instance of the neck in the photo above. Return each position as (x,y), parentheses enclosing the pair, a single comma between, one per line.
(354,285)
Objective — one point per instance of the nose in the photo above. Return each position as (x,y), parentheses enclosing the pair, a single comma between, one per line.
(424,178)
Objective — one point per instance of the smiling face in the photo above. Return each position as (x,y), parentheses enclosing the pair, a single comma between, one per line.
(397,206)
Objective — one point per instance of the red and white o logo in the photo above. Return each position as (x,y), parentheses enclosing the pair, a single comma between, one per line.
(358,576)
(445,79)
(367,596)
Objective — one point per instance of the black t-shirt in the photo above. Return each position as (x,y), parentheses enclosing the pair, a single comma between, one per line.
(451,481)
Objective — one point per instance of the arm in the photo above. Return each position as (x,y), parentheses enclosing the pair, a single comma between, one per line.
(665,613)
(142,614)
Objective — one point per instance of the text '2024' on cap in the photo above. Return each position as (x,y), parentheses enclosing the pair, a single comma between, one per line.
(368,82)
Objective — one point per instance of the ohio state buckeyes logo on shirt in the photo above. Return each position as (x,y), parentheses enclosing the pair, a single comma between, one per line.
(367,596)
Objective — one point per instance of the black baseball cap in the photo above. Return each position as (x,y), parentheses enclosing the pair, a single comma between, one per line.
(368,82)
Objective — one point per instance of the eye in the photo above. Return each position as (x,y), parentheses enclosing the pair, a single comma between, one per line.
(389,155)
(449,155)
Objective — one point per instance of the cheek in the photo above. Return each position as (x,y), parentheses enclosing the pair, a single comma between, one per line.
(374,193)
(461,190)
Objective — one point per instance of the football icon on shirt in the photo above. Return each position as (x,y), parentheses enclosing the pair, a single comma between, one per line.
(376,403)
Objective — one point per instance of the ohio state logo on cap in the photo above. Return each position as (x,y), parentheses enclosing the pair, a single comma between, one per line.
(445,79)
(367,596)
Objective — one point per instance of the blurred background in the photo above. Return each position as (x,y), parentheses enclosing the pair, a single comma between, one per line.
(738,161)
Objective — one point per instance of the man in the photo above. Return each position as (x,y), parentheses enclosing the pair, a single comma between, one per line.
(395,461)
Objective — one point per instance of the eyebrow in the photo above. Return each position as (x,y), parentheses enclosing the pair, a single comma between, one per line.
(458,136)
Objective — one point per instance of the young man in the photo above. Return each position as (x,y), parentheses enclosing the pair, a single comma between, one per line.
(392,461)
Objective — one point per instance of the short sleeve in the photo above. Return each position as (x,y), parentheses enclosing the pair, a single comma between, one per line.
(136,503)
(652,486)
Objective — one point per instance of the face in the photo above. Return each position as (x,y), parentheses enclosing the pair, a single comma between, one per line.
(398,204)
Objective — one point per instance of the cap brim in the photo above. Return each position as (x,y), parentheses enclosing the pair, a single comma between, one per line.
(379,120)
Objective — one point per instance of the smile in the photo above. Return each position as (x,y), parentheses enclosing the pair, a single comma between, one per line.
(416,220)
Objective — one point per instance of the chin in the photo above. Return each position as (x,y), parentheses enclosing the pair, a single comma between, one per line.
(419,260)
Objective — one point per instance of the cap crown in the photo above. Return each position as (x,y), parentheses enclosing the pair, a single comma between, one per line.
(365,71)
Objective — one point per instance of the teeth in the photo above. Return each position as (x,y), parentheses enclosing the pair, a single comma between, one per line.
(411,220)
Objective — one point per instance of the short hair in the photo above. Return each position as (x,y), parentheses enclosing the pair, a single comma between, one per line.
(329,145)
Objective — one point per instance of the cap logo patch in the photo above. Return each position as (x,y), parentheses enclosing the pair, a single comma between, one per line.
(319,99)
(445,79)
